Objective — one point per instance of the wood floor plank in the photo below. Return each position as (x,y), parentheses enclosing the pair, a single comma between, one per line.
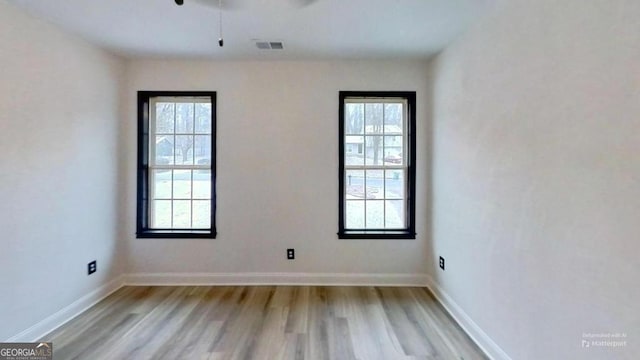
(298,310)
(97,313)
(317,345)
(403,323)
(443,329)
(264,322)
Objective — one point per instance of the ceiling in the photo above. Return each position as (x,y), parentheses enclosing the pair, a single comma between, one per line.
(320,29)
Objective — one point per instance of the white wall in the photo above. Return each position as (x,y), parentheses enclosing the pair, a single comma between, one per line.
(277,157)
(537,176)
(58,169)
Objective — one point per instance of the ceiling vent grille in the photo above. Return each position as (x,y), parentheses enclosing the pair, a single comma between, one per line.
(269,45)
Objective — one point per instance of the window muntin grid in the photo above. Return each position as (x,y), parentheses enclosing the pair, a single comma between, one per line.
(180,162)
(375,163)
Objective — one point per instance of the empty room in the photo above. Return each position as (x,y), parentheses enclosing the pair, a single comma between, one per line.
(320,179)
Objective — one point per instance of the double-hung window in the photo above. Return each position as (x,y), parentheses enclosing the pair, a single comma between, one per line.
(176,164)
(377,165)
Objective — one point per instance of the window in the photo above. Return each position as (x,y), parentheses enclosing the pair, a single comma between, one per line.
(377,172)
(176,164)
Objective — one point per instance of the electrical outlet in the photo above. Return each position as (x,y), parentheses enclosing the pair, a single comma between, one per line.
(291,254)
(441,263)
(92,267)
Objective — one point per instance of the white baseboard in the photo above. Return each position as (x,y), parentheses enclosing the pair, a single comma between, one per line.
(67,313)
(317,279)
(472,329)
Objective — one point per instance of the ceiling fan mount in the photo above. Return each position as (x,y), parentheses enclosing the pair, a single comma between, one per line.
(219,5)
(236,4)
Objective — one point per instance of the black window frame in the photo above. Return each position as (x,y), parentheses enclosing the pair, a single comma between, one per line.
(142,224)
(380,234)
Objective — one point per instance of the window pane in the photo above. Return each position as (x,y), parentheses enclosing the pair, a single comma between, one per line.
(184,118)
(184,150)
(176,188)
(202,184)
(202,149)
(201,214)
(395,184)
(394,214)
(164,118)
(164,150)
(162,214)
(373,118)
(354,181)
(182,184)
(161,184)
(375,214)
(373,150)
(354,215)
(354,118)
(393,118)
(203,118)
(354,150)
(181,214)
(375,192)
(393,150)
(375,184)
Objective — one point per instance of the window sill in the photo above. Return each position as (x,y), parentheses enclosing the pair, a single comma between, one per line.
(176,234)
(377,234)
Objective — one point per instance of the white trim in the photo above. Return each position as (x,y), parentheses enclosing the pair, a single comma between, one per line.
(66,314)
(326,279)
(490,348)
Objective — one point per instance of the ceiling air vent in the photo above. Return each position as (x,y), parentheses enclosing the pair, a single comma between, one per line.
(269,45)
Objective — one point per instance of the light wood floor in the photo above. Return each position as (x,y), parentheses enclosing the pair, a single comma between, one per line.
(264,322)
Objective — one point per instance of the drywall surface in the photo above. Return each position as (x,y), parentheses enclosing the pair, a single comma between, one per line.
(536,177)
(58,169)
(277,175)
